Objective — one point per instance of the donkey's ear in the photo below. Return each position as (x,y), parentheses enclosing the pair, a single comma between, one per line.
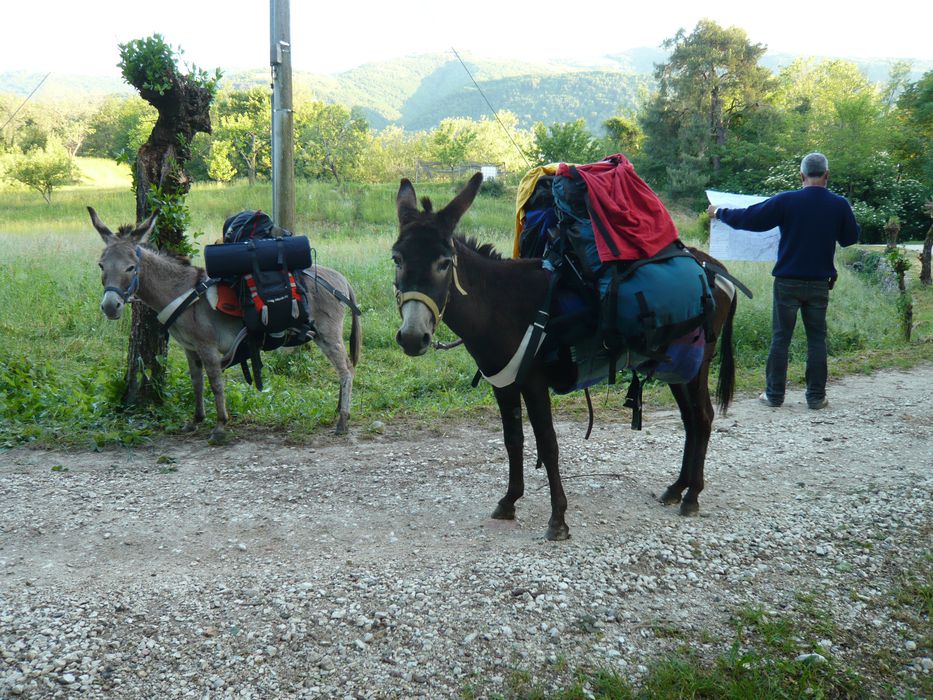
(141,232)
(458,205)
(104,232)
(406,202)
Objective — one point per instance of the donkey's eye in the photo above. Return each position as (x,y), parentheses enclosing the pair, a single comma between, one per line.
(100,265)
(131,268)
(397,259)
(443,265)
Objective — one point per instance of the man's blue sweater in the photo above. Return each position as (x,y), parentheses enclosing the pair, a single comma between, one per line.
(812,220)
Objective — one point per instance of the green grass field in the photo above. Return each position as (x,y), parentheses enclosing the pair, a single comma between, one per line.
(62,362)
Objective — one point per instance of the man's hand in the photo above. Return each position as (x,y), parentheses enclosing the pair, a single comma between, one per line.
(711,211)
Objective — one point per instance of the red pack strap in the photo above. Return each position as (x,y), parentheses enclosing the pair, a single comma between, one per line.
(293,285)
(253,295)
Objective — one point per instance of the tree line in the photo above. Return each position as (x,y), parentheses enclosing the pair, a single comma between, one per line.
(715,119)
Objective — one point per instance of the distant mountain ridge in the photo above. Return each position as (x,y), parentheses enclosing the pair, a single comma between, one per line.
(417,92)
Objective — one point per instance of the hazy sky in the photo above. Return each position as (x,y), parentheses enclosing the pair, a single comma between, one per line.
(74,36)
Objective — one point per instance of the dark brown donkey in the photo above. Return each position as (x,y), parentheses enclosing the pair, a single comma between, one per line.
(489,303)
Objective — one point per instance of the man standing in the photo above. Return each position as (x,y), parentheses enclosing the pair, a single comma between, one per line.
(811,220)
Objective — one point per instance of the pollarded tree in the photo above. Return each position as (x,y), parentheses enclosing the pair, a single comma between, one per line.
(926,276)
(710,83)
(183,102)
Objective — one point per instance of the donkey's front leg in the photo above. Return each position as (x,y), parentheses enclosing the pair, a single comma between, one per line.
(196,372)
(510,408)
(215,377)
(538,403)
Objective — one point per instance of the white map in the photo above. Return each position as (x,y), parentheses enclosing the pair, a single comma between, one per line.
(727,243)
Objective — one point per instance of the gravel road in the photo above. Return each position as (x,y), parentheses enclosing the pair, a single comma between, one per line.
(367,567)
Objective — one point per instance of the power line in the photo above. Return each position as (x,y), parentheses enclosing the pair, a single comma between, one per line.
(24,102)
(488,104)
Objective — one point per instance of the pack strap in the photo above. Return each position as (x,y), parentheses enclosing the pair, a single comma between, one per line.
(334,292)
(720,271)
(184,301)
(509,374)
(633,399)
(517,368)
(228,359)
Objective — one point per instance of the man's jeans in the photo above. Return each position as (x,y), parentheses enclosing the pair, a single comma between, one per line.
(811,297)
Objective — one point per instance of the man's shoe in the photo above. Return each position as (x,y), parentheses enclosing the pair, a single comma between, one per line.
(822,403)
(763,398)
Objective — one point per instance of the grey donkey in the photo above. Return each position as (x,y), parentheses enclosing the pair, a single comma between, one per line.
(131,270)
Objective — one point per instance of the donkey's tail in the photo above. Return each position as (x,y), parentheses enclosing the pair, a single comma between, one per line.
(356,330)
(725,385)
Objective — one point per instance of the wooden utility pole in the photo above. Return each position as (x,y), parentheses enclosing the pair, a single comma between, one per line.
(283,134)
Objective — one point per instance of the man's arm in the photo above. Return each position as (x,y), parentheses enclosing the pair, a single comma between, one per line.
(850,229)
(763,216)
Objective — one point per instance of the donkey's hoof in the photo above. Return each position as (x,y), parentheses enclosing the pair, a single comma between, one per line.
(687,508)
(504,511)
(558,533)
(670,497)
(218,437)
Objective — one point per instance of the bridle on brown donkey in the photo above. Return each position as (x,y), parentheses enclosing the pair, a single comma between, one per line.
(489,303)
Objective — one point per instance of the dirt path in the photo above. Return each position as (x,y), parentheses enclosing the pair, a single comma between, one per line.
(368,567)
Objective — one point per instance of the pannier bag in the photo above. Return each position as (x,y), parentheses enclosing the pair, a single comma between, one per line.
(653,302)
(264,264)
(267,275)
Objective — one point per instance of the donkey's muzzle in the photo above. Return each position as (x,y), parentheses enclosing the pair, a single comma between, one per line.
(412,343)
(417,328)
(112,305)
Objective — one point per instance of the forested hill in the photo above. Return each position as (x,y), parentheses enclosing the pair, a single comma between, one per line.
(594,96)
(417,92)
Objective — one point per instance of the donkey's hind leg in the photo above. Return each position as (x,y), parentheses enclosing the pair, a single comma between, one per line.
(329,339)
(696,411)
(196,372)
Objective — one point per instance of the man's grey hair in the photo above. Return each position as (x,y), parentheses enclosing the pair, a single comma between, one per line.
(814,165)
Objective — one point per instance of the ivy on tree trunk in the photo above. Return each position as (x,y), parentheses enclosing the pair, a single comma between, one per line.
(159,179)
